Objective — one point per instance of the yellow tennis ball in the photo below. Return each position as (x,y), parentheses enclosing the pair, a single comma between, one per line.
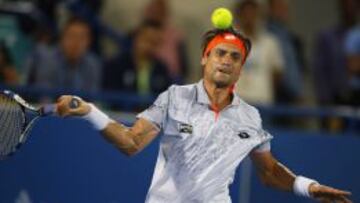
(221,18)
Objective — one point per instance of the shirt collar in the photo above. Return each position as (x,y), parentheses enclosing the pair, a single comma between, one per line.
(203,98)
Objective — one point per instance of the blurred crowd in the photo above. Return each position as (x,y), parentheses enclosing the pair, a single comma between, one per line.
(67,54)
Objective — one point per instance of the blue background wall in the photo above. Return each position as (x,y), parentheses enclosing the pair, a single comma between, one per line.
(66,161)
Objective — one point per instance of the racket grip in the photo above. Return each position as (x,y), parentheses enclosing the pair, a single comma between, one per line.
(74,103)
(48,109)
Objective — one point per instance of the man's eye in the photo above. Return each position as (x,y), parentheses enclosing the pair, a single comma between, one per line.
(235,56)
(220,52)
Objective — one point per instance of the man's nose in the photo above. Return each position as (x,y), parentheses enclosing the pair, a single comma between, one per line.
(226,59)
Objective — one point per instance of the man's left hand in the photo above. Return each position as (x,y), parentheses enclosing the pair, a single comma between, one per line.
(325,194)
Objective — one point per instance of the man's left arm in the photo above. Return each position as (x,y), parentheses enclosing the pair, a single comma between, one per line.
(272,173)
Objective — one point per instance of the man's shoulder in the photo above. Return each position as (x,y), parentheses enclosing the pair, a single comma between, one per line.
(182,91)
(249,112)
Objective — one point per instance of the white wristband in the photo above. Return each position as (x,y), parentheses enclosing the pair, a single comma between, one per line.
(97,118)
(301,186)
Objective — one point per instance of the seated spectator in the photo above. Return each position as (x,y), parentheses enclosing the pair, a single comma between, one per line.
(137,69)
(330,73)
(291,89)
(329,65)
(263,69)
(69,65)
(8,74)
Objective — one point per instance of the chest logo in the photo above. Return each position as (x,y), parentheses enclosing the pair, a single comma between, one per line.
(185,128)
(244,135)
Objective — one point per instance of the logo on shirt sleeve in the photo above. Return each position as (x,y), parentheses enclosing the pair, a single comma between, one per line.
(185,128)
(243,135)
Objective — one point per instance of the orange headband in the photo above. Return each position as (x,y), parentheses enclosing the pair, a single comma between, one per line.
(226,38)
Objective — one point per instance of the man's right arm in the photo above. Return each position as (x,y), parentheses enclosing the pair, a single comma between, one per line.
(131,140)
(128,140)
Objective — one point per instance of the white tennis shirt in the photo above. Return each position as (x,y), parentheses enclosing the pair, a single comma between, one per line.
(199,152)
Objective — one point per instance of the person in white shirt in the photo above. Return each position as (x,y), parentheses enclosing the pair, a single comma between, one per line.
(207,131)
(264,67)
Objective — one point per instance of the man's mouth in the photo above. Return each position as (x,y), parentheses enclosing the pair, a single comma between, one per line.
(224,70)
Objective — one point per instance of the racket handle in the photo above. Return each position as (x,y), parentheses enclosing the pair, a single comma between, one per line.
(47,109)
(74,103)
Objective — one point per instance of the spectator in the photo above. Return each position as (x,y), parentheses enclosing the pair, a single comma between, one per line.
(138,69)
(290,89)
(263,68)
(8,74)
(70,65)
(330,74)
(172,48)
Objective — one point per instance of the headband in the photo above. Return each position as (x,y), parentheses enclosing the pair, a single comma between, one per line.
(226,38)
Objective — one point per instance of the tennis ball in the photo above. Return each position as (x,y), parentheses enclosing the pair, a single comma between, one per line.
(221,18)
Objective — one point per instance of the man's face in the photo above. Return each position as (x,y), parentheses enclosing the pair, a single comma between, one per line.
(75,41)
(223,65)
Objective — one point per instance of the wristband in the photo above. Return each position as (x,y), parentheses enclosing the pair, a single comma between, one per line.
(97,118)
(301,186)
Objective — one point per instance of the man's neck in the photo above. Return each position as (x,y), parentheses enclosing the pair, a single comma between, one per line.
(219,97)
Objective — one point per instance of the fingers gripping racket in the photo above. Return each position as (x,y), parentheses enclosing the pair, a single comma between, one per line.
(17,118)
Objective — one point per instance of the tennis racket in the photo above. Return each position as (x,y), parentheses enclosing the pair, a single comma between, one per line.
(17,117)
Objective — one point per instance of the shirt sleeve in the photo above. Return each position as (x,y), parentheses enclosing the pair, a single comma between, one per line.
(157,112)
(265,146)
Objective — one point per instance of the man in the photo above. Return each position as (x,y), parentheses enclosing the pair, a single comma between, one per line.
(70,65)
(330,73)
(208,130)
(329,58)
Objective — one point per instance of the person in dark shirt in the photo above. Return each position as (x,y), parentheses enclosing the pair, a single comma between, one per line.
(70,65)
(137,69)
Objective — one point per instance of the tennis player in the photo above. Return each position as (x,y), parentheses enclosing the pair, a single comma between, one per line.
(207,131)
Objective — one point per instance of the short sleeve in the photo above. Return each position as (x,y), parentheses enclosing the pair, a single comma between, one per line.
(156,113)
(265,145)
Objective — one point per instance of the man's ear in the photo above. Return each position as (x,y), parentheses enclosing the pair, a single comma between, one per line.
(204,60)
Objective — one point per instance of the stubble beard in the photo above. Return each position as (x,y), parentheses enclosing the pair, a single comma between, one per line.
(221,83)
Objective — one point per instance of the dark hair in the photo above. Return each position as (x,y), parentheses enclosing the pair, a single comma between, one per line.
(209,35)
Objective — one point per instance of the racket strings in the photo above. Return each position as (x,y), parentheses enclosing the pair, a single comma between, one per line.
(4,111)
(7,133)
(12,130)
(12,121)
(15,129)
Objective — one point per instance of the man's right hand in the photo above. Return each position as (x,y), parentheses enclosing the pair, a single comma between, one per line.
(63,107)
